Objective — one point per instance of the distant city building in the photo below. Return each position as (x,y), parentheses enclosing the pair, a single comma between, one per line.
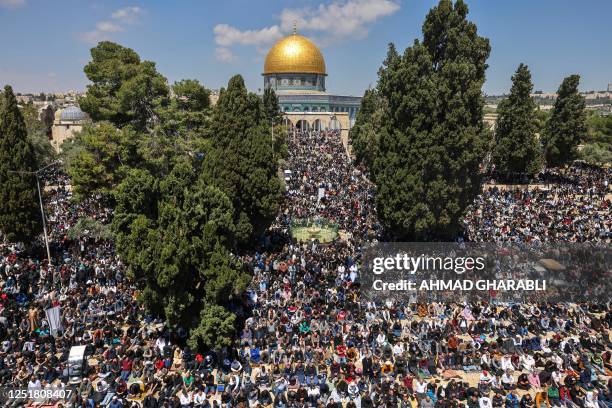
(67,122)
(214,97)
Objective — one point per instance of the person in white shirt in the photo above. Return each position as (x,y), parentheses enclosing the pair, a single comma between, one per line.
(160,343)
(506,363)
(381,339)
(528,362)
(556,377)
(420,388)
(103,388)
(398,349)
(591,400)
(353,274)
(485,377)
(496,384)
(485,359)
(34,383)
(313,392)
(199,399)
(184,398)
(508,381)
(558,361)
(484,402)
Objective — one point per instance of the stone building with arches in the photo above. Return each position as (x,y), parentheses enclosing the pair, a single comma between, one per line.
(295,68)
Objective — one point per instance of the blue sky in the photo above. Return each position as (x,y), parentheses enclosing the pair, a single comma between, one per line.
(45,43)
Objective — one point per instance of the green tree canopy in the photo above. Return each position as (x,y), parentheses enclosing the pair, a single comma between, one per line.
(188,110)
(190,184)
(182,127)
(365,133)
(97,158)
(38,135)
(599,128)
(596,153)
(433,139)
(566,126)
(240,160)
(173,234)
(516,149)
(19,211)
(124,89)
(88,227)
(215,330)
(271,107)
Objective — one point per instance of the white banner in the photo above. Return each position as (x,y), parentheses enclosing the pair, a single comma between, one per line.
(55,322)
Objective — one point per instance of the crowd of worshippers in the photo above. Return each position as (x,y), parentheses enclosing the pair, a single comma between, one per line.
(311,339)
(573,205)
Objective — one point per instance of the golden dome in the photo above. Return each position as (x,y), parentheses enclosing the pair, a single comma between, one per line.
(294,54)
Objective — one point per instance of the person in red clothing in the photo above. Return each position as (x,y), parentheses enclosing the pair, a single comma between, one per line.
(564,395)
(126,368)
(408,383)
(159,364)
(341,351)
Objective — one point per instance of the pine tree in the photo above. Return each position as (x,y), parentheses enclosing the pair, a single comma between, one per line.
(19,208)
(124,89)
(516,149)
(434,141)
(566,126)
(187,113)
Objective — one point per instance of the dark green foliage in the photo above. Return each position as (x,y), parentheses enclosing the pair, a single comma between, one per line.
(596,153)
(240,159)
(187,113)
(173,234)
(567,124)
(215,329)
(190,184)
(365,134)
(271,107)
(599,128)
(433,139)
(88,227)
(19,209)
(516,149)
(98,157)
(38,132)
(181,129)
(274,117)
(124,89)
(541,119)
(598,147)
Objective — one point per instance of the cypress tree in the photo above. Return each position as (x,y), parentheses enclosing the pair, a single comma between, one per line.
(566,126)
(271,106)
(427,171)
(19,208)
(516,149)
(365,133)
(240,161)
